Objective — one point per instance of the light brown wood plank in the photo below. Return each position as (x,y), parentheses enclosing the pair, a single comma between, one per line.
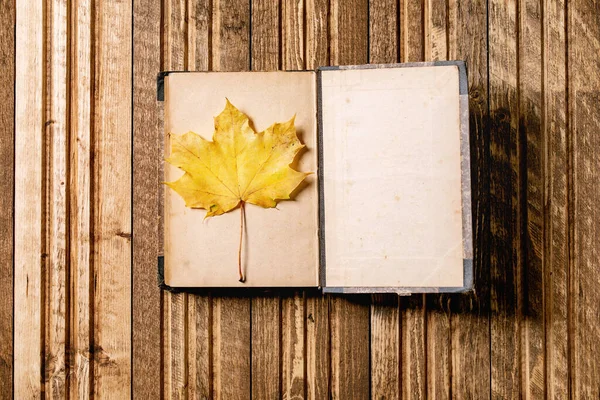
(176,304)
(467,33)
(349,315)
(112,199)
(146,356)
(436,29)
(199,307)
(385,318)
(532,124)
(81,300)
(265,347)
(29,249)
(7,148)
(56,132)
(506,196)
(318,342)
(292,34)
(556,250)
(231,315)
(584,123)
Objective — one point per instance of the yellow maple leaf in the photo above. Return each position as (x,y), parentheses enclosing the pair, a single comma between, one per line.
(239,166)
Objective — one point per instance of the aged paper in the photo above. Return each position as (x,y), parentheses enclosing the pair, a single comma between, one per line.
(392,177)
(281,244)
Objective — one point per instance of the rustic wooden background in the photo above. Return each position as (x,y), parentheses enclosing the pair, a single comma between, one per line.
(80,313)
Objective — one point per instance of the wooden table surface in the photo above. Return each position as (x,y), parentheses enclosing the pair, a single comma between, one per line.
(80,313)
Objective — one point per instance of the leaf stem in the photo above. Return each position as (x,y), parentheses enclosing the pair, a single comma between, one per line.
(242,218)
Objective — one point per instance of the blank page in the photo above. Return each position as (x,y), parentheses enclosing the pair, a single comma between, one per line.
(392,177)
(280,244)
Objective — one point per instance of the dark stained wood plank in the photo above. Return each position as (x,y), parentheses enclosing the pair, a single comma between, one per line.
(467,40)
(7,113)
(112,198)
(556,237)
(584,123)
(29,249)
(349,315)
(199,307)
(231,341)
(146,299)
(81,301)
(506,202)
(56,126)
(385,318)
(318,344)
(531,86)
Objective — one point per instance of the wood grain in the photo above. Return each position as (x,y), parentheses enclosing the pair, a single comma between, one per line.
(584,122)
(80,181)
(111,196)
(531,124)
(29,247)
(7,150)
(467,39)
(506,202)
(555,200)
(146,299)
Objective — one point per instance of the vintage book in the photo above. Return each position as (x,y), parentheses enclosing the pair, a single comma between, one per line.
(387,208)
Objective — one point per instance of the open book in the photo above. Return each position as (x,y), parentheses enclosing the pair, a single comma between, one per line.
(388,208)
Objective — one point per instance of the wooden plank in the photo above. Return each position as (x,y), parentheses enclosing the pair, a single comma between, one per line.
(265,35)
(555,172)
(385,318)
(385,348)
(231,315)
(531,120)
(81,301)
(111,196)
(293,319)
(175,304)
(265,347)
(199,306)
(506,201)
(413,309)
(56,126)
(467,40)
(584,122)
(7,149)
(146,299)
(318,343)
(349,315)
(29,249)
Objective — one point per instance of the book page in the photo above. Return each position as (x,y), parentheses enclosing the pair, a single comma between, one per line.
(280,244)
(392,177)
